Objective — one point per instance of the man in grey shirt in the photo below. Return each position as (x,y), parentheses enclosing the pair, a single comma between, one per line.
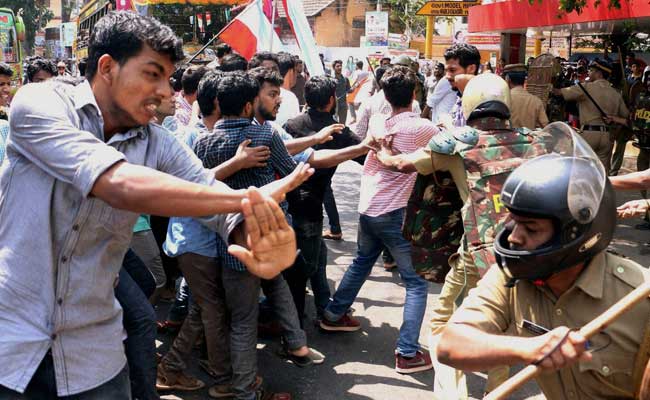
(82,162)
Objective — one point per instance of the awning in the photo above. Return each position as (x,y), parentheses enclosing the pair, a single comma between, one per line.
(191,2)
(516,16)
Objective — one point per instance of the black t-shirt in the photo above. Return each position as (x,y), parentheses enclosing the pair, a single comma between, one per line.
(306,201)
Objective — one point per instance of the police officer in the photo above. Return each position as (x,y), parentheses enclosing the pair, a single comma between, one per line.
(478,157)
(526,110)
(594,128)
(555,275)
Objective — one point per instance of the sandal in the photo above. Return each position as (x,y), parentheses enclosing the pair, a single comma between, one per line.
(176,381)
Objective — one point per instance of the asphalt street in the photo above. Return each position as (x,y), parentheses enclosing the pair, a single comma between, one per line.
(360,365)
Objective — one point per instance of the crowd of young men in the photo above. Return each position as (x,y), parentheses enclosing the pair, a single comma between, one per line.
(226,152)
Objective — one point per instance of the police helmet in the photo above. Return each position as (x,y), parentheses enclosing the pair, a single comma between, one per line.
(486,95)
(571,189)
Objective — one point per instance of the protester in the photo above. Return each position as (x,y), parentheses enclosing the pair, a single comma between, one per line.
(67,161)
(290,107)
(40,69)
(6,73)
(299,87)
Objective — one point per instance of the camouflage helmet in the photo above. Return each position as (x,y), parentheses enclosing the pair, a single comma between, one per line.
(486,93)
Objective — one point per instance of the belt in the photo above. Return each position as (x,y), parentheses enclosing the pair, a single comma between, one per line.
(601,128)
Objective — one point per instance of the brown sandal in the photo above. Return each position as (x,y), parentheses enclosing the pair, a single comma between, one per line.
(176,381)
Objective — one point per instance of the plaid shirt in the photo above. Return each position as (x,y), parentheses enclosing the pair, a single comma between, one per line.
(457,116)
(221,145)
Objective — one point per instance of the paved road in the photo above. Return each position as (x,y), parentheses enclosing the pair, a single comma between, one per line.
(360,365)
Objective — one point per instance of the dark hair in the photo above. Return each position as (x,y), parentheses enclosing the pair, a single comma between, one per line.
(439,65)
(122,35)
(319,90)
(206,94)
(6,70)
(83,63)
(359,64)
(233,62)
(336,62)
(286,62)
(266,75)
(191,78)
(234,90)
(517,78)
(465,53)
(223,49)
(36,64)
(384,58)
(262,56)
(176,77)
(635,62)
(399,84)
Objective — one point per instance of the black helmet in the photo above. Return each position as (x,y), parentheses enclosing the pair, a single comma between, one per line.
(566,190)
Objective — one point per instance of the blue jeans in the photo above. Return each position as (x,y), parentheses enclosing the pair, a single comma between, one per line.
(374,233)
(139,319)
(43,386)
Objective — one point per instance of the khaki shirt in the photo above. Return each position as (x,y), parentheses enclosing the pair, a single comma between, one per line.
(526,110)
(493,308)
(608,98)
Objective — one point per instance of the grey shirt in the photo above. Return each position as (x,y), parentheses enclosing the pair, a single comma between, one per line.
(62,248)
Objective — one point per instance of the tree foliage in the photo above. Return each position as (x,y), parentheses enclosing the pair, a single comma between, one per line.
(567,6)
(35,15)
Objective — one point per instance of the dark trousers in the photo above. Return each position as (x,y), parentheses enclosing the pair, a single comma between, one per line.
(43,386)
(330,209)
(139,318)
(342,111)
(207,313)
(313,253)
(319,284)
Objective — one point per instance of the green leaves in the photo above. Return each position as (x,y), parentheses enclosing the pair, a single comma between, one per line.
(35,15)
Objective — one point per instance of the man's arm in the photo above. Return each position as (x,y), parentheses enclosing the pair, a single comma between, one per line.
(394,162)
(468,348)
(295,146)
(634,181)
(332,158)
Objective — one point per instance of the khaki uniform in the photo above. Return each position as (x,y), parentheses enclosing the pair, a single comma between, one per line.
(462,276)
(610,101)
(526,110)
(612,372)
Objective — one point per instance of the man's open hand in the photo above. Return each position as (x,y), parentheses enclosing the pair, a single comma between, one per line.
(250,157)
(325,134)
(632,208)
(270,241)
(279,188)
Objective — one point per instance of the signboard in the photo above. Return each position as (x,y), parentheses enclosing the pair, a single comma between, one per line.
(447,8)
(376,28)
(68,33)
(398,41)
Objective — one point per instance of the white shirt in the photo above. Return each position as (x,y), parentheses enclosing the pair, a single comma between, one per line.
(290,107)
(442,100)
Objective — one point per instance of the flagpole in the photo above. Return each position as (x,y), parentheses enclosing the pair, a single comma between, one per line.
(273,8)
(216,36)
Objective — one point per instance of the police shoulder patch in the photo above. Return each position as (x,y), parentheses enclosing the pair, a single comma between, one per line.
(443,143)
(627,270)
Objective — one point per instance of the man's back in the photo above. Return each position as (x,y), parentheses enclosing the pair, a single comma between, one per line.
(526,110)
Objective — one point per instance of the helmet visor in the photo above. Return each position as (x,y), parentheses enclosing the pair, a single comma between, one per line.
(587,177)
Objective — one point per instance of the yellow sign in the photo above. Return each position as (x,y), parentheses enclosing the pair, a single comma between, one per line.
(447,8)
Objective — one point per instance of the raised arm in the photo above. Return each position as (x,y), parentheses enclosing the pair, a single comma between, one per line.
(634,181)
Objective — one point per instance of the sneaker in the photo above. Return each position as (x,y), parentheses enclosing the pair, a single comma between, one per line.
(332,236)
(418,363)
(313,357)
(344,324)
(168,380)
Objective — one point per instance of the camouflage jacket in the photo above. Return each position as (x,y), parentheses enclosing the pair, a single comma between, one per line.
(490,152)
(641,120)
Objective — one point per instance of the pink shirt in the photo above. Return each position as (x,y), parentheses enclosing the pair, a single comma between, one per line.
(383,190)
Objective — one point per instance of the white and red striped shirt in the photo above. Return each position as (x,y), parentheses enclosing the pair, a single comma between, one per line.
(383,190)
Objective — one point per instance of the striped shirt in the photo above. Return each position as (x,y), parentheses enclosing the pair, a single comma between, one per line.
(377,104)
(383,190)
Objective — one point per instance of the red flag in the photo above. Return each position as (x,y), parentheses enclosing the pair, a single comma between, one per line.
(123,5)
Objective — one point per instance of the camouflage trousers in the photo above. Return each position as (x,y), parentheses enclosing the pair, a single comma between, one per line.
(450,383)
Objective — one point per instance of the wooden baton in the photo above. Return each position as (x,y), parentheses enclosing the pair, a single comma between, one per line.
(596,325)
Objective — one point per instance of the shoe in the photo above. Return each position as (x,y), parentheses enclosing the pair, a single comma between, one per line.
(167,380)
(264,395)
(344,324)
(332,236)
(644,226)
(224,390)
(420,362)
(389,266)
(313,357)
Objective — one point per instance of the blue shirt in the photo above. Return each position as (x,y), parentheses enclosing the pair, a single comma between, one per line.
(221,145)
(188,235)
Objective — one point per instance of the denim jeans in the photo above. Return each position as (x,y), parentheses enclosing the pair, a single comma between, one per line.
(279,298)
(139,319)
(309,238)
(43,386)
(319,284)
(329,203)
(373,234)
